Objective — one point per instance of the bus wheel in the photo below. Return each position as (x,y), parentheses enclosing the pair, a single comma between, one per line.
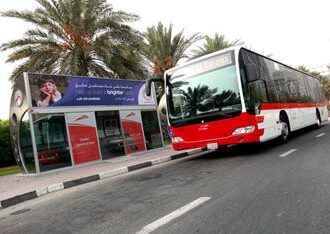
(285,130)
(318,120)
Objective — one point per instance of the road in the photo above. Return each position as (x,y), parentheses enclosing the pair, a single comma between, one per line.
(263,188)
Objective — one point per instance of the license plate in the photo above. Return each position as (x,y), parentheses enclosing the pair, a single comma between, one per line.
(212,146)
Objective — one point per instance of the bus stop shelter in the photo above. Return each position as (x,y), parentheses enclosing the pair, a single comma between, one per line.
(64,121)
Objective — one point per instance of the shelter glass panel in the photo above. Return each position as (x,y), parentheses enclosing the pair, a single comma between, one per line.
(110,134)
(25,142)
(151,129)
(51,141)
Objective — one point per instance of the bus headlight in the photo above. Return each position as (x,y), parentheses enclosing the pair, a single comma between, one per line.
(176,139)
(243,130)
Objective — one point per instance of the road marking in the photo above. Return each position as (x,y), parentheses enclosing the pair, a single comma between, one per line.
(321,134)
(166,219)
(288,152)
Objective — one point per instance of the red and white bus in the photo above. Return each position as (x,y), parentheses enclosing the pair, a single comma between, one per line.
(237,96)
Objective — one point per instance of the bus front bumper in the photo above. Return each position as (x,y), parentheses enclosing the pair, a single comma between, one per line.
(220,142)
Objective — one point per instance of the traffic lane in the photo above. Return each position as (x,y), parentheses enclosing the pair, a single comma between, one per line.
(128,203)
(232,182)
(294,200)
(237,182)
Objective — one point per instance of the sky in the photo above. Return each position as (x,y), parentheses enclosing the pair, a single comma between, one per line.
(293,32)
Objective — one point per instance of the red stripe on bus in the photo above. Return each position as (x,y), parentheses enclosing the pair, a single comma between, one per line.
(270,106)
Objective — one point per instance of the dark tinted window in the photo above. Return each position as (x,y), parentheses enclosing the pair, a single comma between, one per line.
(284,84)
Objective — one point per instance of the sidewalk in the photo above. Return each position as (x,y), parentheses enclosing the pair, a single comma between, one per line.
(17,188)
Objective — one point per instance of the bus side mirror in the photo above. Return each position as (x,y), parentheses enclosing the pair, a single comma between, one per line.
(148,84)
(148,87)
(251,72)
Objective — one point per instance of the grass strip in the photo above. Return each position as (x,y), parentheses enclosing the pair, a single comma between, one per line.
(9,170)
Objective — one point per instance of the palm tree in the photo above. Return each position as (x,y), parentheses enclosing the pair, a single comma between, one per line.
(163,49)
(76,37)
(218,42)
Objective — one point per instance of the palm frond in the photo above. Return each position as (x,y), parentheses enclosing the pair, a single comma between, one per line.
(213,44)
(163,49)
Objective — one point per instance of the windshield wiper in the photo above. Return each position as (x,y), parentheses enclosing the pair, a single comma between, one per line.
(184,121)
(208,116)
(219,114)
(199,118)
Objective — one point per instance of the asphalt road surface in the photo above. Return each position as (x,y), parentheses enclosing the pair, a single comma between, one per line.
(263,188)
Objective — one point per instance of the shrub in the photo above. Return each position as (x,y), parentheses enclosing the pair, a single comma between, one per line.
(6,154)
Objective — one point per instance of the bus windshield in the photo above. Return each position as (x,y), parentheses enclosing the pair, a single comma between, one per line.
(203,97)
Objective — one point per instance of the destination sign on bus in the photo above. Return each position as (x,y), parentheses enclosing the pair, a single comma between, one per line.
(212,63)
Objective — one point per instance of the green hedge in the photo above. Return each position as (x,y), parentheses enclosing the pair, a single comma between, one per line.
(6,153)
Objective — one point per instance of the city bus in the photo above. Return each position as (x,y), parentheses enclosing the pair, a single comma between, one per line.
(237,96)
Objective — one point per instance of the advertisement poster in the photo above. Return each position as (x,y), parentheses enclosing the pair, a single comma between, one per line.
(55,91)
(133,132)
(84,141)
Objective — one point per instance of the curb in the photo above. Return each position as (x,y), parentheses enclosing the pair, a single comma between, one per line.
(88,179)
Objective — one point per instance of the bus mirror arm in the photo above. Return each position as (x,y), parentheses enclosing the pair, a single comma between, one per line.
(148,84)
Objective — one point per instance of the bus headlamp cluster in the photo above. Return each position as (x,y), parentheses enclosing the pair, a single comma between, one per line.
(243,130)
(176,139)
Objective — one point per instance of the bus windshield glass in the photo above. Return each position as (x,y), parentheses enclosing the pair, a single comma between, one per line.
(204,91)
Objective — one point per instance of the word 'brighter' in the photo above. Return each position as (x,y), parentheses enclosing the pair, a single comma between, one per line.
(115,92)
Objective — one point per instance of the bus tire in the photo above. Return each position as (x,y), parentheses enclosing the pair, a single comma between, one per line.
(318,120)
(285,129)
